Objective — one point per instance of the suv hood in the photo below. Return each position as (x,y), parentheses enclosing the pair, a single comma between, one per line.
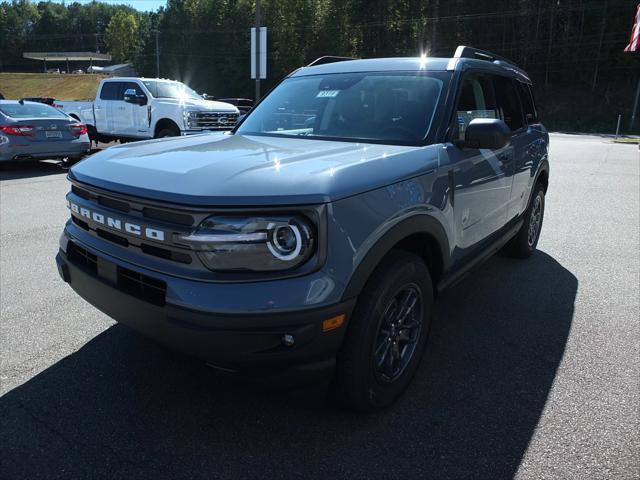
(221,169)
(200,105)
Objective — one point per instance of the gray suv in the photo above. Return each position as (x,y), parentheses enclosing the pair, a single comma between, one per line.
(314,238)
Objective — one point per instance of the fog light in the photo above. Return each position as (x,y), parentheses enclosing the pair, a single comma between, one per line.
(288,340)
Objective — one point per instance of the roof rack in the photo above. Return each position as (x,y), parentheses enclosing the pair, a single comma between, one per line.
(329,59)
(470,52)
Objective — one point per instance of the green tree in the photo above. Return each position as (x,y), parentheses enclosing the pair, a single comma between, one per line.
(122,36)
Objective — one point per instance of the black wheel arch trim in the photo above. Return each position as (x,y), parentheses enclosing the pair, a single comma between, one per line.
(417,224)
(542,168)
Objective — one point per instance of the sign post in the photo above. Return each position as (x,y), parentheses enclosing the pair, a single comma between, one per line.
(258,57)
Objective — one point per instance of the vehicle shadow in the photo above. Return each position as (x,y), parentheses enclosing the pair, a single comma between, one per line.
(122,407)
(29,169)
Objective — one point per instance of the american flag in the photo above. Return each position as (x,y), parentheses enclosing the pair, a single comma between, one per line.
(634,42)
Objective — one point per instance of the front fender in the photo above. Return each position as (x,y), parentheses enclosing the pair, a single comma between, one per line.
(418,223)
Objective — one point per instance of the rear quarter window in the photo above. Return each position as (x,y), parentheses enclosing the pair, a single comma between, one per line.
(528,104)
(30,110)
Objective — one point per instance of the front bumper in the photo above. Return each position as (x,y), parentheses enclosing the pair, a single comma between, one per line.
(244,342)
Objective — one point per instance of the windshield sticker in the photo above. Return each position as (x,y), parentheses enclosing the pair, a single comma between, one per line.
(327,93)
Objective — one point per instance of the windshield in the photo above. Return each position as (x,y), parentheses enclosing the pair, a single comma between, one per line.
(30,110)
(393,107)
(177,90)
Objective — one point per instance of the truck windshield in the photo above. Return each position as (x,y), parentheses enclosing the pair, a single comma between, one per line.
(377,107)
(176,90)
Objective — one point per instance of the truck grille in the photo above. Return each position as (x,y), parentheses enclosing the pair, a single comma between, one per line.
(213,120)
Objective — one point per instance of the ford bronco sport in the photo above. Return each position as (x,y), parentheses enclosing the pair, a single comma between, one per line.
(316,235)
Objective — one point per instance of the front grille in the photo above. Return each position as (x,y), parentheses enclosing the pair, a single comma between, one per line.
(166,216)
(112,237)
(171,221)
(81,192)
(213,120)
(125,206)
(164,253)
(115,204)
(145,247)
(80,223)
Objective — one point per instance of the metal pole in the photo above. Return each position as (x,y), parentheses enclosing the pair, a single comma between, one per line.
(157,32)
(618,126)
(634,112)
(257,52)
(604,23)
(67,64)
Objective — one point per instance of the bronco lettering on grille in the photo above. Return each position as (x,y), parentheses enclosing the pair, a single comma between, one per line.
(118,224)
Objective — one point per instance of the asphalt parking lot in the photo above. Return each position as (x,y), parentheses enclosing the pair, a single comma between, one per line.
(532,370)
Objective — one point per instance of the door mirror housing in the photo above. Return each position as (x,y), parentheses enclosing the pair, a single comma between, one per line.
(489,133)
(130,96)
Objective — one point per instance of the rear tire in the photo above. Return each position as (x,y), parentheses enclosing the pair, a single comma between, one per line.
(367,380)
(526,240)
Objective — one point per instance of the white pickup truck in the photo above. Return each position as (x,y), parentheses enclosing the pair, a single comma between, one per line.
(139,108)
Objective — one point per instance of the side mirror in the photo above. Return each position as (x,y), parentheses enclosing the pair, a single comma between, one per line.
(130,96)
(205,96)
(490,133)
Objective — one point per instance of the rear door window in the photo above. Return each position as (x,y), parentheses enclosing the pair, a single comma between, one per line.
(508,102)
(477,100)
(110,91)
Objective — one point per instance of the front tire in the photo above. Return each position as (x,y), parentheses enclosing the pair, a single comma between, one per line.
(387,334)
(168,132)
(524,243)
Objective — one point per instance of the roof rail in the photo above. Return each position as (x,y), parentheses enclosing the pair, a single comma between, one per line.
(470,52)
(329,59)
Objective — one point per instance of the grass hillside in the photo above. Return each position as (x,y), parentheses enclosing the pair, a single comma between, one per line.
(60,86)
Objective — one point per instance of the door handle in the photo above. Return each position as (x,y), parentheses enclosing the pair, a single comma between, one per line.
(120,108)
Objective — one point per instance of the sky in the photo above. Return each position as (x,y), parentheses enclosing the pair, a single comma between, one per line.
(142,5)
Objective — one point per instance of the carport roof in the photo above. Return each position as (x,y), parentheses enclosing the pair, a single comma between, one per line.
(70,56)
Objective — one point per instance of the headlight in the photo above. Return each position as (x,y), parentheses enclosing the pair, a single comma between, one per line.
(189,119)
(253,243)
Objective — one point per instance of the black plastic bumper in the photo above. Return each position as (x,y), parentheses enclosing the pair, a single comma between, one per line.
(243,343)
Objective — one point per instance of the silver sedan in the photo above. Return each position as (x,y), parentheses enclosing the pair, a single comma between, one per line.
(32,131)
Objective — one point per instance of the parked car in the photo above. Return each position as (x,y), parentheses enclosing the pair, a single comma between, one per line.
(141,108)
(316,236)
(32,131)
